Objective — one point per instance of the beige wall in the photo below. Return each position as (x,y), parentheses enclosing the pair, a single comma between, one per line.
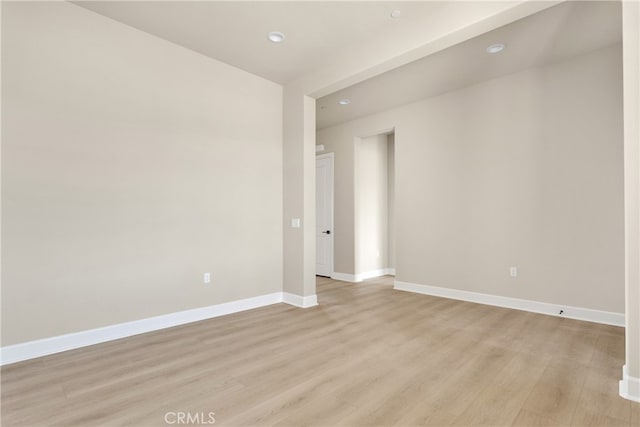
(455,22)
(130,166)
(391,200)
(299,263)
(524,170)
(371,204)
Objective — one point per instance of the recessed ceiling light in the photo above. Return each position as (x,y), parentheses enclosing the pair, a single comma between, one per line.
(495,48)
(344,101)
(395,13)
(276,36)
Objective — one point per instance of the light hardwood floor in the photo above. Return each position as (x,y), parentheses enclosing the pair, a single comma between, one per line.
(368,355)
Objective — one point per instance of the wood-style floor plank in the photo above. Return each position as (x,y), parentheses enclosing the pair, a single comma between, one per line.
(366,356)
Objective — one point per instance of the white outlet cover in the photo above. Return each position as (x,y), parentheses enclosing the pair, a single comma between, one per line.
(295,222)
(206,278)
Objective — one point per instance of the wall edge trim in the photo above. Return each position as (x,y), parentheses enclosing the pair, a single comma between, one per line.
(300,301)
(355,278)
(629,386)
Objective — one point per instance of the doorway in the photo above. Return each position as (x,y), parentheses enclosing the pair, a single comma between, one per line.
(374,200)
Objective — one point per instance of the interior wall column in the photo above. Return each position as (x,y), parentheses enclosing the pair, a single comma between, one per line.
(299,135)
(630,383)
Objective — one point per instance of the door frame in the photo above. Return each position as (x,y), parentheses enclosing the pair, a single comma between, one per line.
(331,157)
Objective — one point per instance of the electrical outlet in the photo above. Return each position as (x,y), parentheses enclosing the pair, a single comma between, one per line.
(206,278)
(513,271)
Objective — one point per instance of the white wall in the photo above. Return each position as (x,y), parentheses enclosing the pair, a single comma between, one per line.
(371,204)
(524,170)
(130,166)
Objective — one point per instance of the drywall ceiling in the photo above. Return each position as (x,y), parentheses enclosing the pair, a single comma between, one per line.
(235,32)
(560,32)
(319,33)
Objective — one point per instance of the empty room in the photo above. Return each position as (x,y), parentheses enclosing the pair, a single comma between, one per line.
(292,213)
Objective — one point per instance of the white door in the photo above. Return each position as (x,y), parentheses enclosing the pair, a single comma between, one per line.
(324,215)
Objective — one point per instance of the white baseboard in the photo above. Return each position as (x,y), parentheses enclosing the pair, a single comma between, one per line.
(298,301)
(344,277)
(629,386)
(355,278)
(590,315)
(370,274)
(32,349)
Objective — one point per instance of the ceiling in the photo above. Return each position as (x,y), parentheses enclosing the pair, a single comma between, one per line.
(235,32)
(319,33)
(560,32)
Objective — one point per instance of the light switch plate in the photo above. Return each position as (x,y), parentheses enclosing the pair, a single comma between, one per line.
(295,223)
